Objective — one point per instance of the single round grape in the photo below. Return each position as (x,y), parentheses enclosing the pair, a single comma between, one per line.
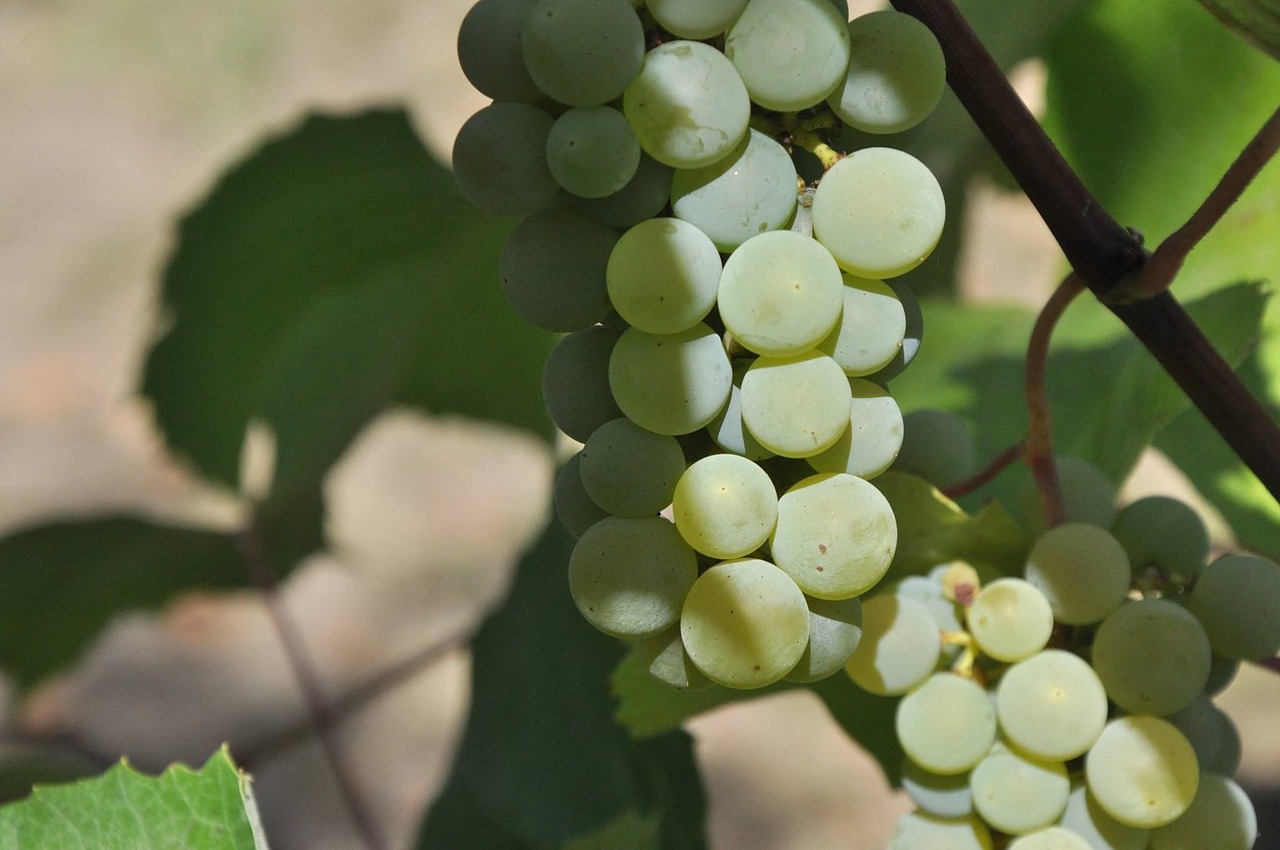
(1236,599)
(920,831)
(629,471)
(583,52)
(791,53)
(896,73)
(1222,671)
(1050,838)
(725,506)
(592,152)
(1087,496)
(750,191)
(552,267)
(936,445)
(1152,656)
(695,19)
(1052,705)
(1204,724)
(1082,570)
(1142,771)
(879,211)
(642,198)
(667,661)
(1010,619)
(575,382)
(574,508)
(1087,819)
(835,536)
(745,623)
(489,50)
(1164,533)
(672,383)
(729,432)
(937,795)
(663,276)
(688,105)
(946,613)
(835,628)
(500,159)
(871,442)
(1220,817)
(796,406)
(871,328)
(1018,794)
(629,577)
(899,649)
(780,294)
(947,725)
(1227,761)
(911,339)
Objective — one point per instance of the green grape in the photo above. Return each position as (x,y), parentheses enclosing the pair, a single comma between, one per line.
(835,537)
(791,53)
(688,105)
(1162,532)
(575,382)
(946,726)
(1052,705)
(1236,599)
(489,50)
(879,211)
(629,577)
(592,152)
(937,446)
(1100,831)
(748,192)
(745,623)
(911,339)
(725,506)
(671,383)
(1227,761)
(574,508)
(1010,619)
(1051,838)
(1221,673)
(668,662)
(552,267)
(1142,771)
(695,19)
(937,795)
(946,613)
(500,159)
(663,276)
(1082,570)
(780,293)
(629,471)
(896,74)
(583,52)
(870,443)
(643,197)
(920,831)
(796,406)
(1152,656)
(1204,725)
(727,429)
(1018,794)
(1220,817)
(1087,496)
(899,649)
(835,628)
(871,328)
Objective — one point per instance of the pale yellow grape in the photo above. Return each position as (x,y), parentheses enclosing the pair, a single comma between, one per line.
(670,383)
(795,406)
(899,649)
(835,628)
(1052,705)
(947,725)
(836,535)
(1018,794)
(791,53)
(1051,838)
(663,275)
(1010,619)
(629,577)
(1142,771)
(669,663)
(870,444)
(871,329)
(725,506)
(920,831)
(1220,817)
(745,623)
(728,431)
(780,293)
(879,211)
(1082,570)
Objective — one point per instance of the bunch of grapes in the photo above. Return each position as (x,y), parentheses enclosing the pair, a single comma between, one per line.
(729,330)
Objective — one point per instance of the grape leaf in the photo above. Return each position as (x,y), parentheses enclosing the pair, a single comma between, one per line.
(1257,21)
(182,809)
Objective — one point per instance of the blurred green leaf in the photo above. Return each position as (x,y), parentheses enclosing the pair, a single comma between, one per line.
(1257,21)
(182,809)
(64,581)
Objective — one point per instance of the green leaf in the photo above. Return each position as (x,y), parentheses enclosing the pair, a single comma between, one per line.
(64,581)
(632,830)
(182,809)
(1257,21)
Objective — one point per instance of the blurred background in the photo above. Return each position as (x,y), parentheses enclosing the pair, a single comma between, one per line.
(115,118)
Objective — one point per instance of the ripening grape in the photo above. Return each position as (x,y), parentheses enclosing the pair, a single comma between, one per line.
(725,506)
(835,629)
(629,471)
(663,275)
(899,649)
(1152,656)
(1018,794)
(1052,705)
(947,726)
(582,52)
(920,831)
(670,383)
(896,76)
(1236,599)
(1142,771)
(1010,619)
(791,54)
(1082,570)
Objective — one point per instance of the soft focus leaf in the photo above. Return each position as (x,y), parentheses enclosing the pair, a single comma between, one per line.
(1258,21)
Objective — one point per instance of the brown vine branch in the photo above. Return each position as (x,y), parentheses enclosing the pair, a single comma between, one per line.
(1103,253)
(987,474)
(263,577)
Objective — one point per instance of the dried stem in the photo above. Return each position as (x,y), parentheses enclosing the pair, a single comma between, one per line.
(986,475)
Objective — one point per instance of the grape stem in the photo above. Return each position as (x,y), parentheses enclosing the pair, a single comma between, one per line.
(803,135)
(1039,444)
(1099,249)
(987,474)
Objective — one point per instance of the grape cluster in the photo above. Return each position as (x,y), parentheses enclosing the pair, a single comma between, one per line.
(1071,708)
(729,330)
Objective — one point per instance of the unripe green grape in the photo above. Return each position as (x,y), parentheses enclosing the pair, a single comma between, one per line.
(899,649)
(574,508)
(725,506)
(671,383)
(1222,671)
(728,431)
(582,52)
(936,445)
(1220,817)
(489,50)
(500,159)
(1227,761)
(667,661)
(1142,771)
(871,328)
(1010,620)
(1100,831)
(896,74)
(1018,794)
(663,276)
(1152,656)
(1164,533)
(791,53)
(947,725)
(835,629)
(642,198)
(695,19)
(1236,599)
(629,471)
(1082,570)
(796,406)
(911,339)
(575,382)
(871,442)
(920,831)
(1204,725)
(592,152)
(1052,705)
(935,794)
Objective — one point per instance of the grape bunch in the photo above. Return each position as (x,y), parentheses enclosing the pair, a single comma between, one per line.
(1071,708)
(729,330)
